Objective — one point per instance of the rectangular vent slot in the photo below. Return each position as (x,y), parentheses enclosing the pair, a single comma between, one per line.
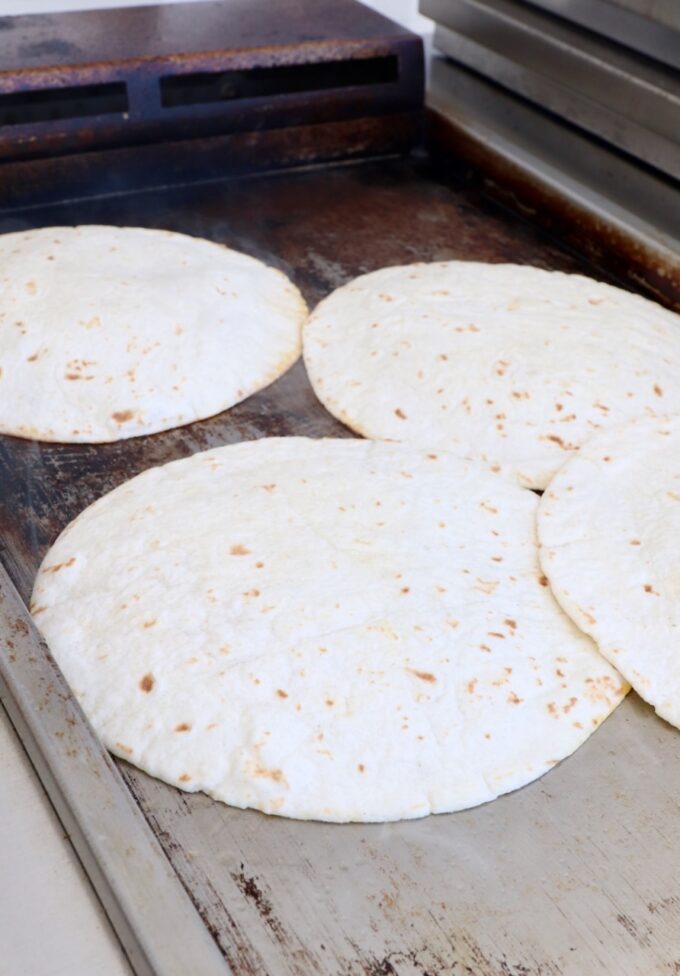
(221,86)
(52,104)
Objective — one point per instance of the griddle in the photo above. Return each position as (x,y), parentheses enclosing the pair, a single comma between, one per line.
(575,874)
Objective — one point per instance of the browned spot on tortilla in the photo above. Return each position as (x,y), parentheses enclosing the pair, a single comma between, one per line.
(122,416)
(560,674)
(512,624)
(239,550)
(361,767)
(552,709)
(543,580)
(400,413)
(658,390)
(178,330)
(36,610)
(406,589)
(488,508)
(185,778)
(385,297)
(183,727)
(147,682)
(432,457)
(635,542)
(123,748)
(329,702)
(58,566)
(521,395)
(471,685)
(31,287)
(567,708)
(650,589)
(513,699)
(281,693)
(422,675)
(559,406)
(253,593)
(486,586)
(555,439)
(495,633)
(485,647)
(269,487)
(274,774)
(149,623)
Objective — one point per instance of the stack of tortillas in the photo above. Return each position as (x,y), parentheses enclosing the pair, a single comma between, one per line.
(354,630)
(107,332)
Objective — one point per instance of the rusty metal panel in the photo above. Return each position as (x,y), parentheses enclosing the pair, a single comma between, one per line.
(78,82)
(574,875)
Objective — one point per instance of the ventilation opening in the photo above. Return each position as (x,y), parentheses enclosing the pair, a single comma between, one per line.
(222,86)
(51,104)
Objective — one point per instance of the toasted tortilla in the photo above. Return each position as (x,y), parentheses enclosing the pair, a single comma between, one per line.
(335,630)
(503,363)
(609,526)
(108,332)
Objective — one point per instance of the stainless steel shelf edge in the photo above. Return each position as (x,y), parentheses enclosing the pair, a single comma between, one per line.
(158,926)
(628,22)
(599,86)
(625,200)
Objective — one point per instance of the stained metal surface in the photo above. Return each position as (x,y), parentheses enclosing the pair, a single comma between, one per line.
(576,873)
(133,879)
(197,70)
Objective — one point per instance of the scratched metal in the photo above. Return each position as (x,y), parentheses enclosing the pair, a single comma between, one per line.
(574,875)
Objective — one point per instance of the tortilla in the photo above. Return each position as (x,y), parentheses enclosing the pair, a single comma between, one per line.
(502,363)
(336,630)
(108,332)
(609,527)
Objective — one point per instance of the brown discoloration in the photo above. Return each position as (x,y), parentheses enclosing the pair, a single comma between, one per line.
(239,550)
(59,566)
(252,594)
(422,675)
(635,542)
(514,699)
(123,748)
(149,623)
(123,416)
(400,413)
(183,727)
(275,775)
(471,685)
(147,682)
(650,589)
(281,693)
(543,580)
(657,389)
(269,488)
(184,778)
(512,624)
(360,767)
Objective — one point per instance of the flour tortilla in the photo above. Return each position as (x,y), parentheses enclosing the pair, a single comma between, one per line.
(335,630)
(609,527)
(503,363)
(107,332)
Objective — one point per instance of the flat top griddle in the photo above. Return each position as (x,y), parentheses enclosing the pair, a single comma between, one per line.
(575,874)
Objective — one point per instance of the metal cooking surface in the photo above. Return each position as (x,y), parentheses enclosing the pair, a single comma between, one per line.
(573,875)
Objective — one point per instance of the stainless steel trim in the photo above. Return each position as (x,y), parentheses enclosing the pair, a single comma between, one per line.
(600,87)
(651,27)
(607,186)
(159,928)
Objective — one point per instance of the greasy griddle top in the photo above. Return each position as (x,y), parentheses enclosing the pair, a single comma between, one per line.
(575,873)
